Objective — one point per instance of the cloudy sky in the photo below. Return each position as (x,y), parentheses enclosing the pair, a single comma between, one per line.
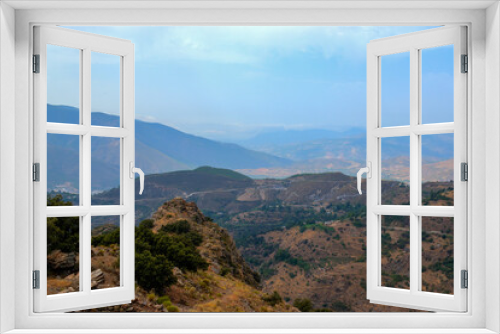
(231,82)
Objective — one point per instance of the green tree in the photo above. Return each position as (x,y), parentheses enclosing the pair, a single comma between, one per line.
(153,272)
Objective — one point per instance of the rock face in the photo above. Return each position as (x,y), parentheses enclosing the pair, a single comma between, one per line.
(217,248)
(60,260)
(97,277)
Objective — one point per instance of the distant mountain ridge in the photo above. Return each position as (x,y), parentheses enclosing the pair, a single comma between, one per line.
(159,149)
(281,137)
(282,153)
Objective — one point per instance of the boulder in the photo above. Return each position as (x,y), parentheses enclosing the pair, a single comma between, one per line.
(97,277)
(60,260)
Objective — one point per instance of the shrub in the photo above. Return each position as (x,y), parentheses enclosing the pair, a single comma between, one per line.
(178,227)
(224,271)
(163,299)
(153,272)
(303,304)
(172,308)
(272,299)
(107,239)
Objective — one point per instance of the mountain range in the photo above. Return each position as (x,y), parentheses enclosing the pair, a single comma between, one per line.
(159,148)
(276,154)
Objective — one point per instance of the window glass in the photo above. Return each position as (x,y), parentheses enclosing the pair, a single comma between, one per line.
(63,168)
(106,89)
(395,243)
(63,74)
(105,252)
(395,89)
(63,249)
(395,169)
(437,84)
(438,169)
(437,254)
(106,173)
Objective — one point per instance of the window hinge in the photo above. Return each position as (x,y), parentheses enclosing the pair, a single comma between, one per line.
(464,171)
(36,172)
(36,63)
(465,279)
(36,279)
(465,64)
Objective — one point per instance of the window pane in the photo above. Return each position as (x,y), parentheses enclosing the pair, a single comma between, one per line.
(437,84)
(63,169)
(437,254)
(105,168)
(63,248)
(63,84)
(395,89)
(105,89)
(396,252)
(105,252)
(437,170)
(395,169)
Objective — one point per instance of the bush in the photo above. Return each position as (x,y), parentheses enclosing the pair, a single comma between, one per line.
(272,299)
(165,301)
(283,255)
(303,304)
(224,271)
(172,308)
(107,239)
(153,272)
(178,227)
(158,253)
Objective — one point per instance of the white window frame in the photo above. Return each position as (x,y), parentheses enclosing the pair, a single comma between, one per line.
(413,43)
(86,44)
(484,48)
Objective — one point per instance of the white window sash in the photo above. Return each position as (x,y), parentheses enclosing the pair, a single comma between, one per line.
(86,43)
(414,297)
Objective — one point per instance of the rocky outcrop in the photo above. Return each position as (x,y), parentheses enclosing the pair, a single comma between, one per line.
(97,277)
(217,248)
(60,260)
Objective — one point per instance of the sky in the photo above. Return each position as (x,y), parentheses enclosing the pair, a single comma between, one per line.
(230,83)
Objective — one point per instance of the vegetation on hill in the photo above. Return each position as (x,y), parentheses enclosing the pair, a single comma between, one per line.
(305,235)
(63,233)
(222,172)
(185,262)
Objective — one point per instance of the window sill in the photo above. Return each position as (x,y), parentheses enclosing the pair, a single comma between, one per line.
(252,331)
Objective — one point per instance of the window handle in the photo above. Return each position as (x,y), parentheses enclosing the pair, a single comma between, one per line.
(139,171)
(368,171)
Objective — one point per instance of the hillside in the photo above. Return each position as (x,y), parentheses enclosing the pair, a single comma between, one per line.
(228,192)
(305,235)
(159,149)
(202,269)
